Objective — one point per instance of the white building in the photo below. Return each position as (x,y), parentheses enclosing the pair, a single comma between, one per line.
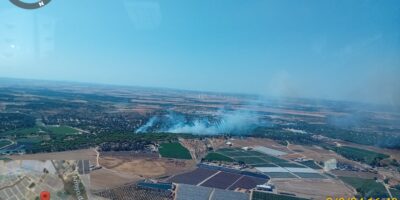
(330,164)
(246,148)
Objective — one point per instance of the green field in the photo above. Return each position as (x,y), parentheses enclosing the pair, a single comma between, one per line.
(255,153)
(30,140)
(280,175)
(310,175)
(366,187)
(217,157)
(4,159)
(250,160)
(23,132)
(255,158)
(395,193)
(273,159)
(360,155)
(4,143)
(174,150)
(263,165)
(287,164)
(228,149)
(256,195)
(57,130)
(310,164)
(236,154)
(61,130)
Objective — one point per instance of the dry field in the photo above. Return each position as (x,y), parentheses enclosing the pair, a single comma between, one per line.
(118,168)
(393,175)
(367,175)
(84,154)
(293,156)
(145,167)
(99,179)
(217,143)
(316,189)
(197,148)
(320,155)
(105,178)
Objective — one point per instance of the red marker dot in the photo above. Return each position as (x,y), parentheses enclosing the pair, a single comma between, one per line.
(45,195)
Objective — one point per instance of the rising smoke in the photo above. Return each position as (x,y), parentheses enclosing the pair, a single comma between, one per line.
(146,126)
(225,122)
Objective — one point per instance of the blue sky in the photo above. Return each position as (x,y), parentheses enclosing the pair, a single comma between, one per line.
(346,50)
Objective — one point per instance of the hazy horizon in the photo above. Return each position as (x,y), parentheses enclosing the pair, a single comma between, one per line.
(336,50)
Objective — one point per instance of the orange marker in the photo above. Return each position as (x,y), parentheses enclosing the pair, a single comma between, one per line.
(45,195)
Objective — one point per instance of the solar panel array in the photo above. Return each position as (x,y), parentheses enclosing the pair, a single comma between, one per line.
(220,177)
(193,177)
(185,192)
(130,192)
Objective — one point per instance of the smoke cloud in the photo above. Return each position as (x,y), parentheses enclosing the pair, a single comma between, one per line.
(146,126)
(346,121)
(232,122)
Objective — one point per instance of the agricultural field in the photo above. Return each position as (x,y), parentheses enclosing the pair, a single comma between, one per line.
(247,182)
(30,142)
(257,195)
(264,165)
(255,158)
(310,175)
(274,159)
(235,153)
(217,157)
(280,175)
(4,143)
(361,155)
(250,157)
(4,159)
(62,130)
(250,160)
(219,177)
(258,159)
(31,139)
(222,180)
(395,193)
(58,130)
(366,187)
(174,150)
(291,165)
(23,132)
(313,188)
(193,177)
(311,164)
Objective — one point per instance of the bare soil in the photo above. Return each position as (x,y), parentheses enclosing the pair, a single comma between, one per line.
(316,189)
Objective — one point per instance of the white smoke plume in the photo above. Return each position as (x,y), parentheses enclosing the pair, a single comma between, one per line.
(146,126)
(233,122)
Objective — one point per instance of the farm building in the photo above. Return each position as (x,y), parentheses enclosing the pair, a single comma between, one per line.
(330,164)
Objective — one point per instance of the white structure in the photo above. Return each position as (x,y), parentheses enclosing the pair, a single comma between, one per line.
(264,187)
(246,148)
(330,164)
